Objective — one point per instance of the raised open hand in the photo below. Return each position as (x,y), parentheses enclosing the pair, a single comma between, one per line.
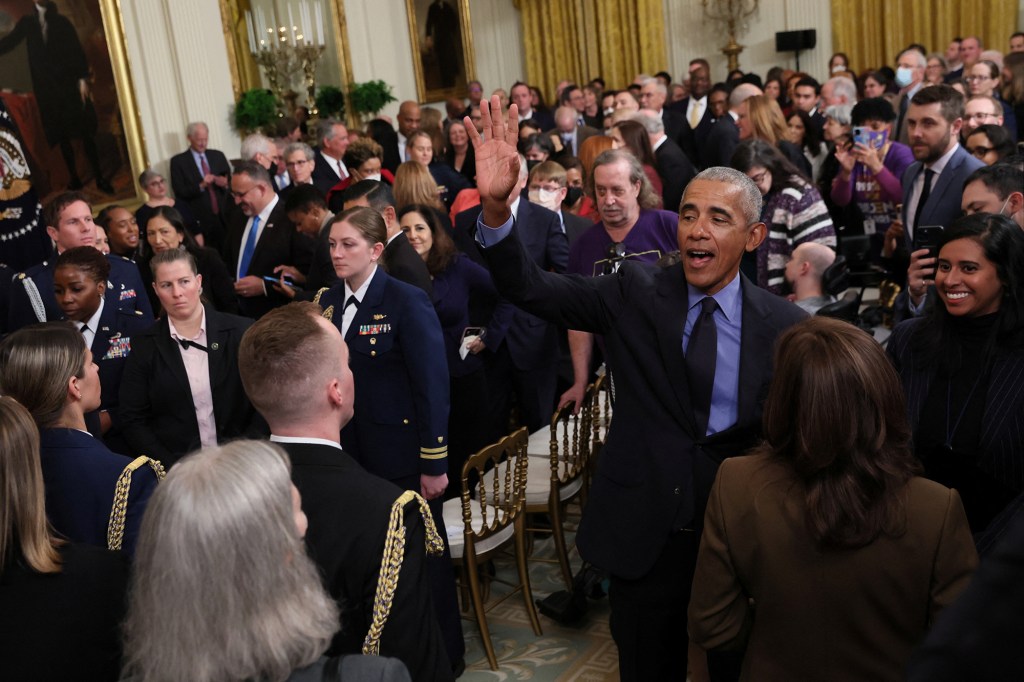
(497,161)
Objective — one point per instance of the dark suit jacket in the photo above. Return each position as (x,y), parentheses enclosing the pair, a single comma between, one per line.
(348,511)
(582,133)
(124,290)
(185,179)
(79,475)
(575,226)
(157,413)
(675,124)
(324,177)
(694,142)
(943,205)
(676,171)
(84,605)
(532,342)
(850,614)
(279,244)
(722,139)
(321,272)
(655,471)
(402,262)
(396,352)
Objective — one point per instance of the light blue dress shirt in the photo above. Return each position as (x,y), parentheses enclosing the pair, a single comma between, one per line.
(729,320)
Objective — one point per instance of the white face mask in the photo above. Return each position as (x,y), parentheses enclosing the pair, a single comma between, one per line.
(372,176)
(547,198)
(904,76)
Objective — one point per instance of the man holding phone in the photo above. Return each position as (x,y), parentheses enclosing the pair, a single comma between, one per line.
(933,185)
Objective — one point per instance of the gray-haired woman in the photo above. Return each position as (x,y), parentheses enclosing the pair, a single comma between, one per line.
(223,589)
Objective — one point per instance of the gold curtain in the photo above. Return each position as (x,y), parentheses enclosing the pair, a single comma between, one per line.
(872,32)
(582,39)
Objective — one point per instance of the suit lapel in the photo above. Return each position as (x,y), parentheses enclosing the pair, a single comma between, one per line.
(371,301)
(168,350)
(670,309)
(266,242)
(216,344)
(941,186)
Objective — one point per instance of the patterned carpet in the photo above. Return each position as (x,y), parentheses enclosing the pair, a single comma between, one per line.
(586,652)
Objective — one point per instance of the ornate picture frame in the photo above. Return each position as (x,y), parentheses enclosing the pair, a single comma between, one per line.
(109,113)
(442,48)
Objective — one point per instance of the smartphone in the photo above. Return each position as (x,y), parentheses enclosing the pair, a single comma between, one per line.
(927,237)
(473,331)
(870,138)
(277,280)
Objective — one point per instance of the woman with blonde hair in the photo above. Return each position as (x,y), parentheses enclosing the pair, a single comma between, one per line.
(760,118)
(54,595)
(48,369)
(415,185)
(223,590)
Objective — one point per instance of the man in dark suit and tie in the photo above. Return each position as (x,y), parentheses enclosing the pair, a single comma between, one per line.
(697,115)
(572,134)
(520,94)
(724,135)
(910,68)
(653,96)
(933,185)
(690,347)
(526,362)
(330,169)
(259,238)
(675,169)
(294,366)
(199,177)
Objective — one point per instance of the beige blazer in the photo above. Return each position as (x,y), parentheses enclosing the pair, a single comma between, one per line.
(812,614)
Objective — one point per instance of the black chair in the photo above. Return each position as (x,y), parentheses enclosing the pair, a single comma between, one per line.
(856,250)
(836,279)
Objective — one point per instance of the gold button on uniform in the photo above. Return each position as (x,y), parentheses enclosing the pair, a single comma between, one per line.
(405,421)
(373,353)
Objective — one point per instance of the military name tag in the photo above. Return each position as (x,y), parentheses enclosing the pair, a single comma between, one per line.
(374,329)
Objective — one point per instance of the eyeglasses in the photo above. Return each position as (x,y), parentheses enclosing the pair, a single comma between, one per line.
(983,115)
(240,195)
(971,79)
(980,152)
(296,164)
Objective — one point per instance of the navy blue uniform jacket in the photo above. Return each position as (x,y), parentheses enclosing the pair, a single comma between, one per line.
(655,473)
(79,474)
(396,352)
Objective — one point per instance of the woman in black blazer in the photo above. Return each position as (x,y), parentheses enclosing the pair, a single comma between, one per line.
(55,596)
(180,390)
(165,230)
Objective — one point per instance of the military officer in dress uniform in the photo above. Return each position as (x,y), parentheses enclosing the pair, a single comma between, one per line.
(69,223)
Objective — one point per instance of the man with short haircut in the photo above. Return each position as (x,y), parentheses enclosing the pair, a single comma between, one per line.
(674,168)
(280,173)
(724,136)
(475,90)
(806,265)
(453,108)
(981,110)
(654,95)
(933,185)
(329,168)
(697,116)
(307,209)
(838,90)
(690,350)
(262,150)
(995,189)
(547,186)
(805,95)
(294,367)
(954,66)
(199,177)
(1017,42)
(572,96)
(910,70)
(259,238)
(299,162)
(399,259)
(409,117)
(69,222)
(521,96)
(568,128)
(970,51)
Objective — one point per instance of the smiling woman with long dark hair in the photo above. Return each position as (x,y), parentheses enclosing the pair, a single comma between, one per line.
(961,366)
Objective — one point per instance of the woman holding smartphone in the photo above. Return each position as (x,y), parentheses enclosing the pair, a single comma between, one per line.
(455,279)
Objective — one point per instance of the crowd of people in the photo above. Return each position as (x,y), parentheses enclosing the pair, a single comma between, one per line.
(230,417)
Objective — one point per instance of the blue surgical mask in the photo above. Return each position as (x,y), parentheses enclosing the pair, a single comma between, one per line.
(904,76)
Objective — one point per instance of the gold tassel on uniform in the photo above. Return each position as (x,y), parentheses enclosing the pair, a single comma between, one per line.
(115,526)
(391,564)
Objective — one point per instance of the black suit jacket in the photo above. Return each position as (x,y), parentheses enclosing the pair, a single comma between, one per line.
(402,262)
(575,226)
(185,179)
(531,341)
(324,177)
(676,171)
(690,140)
(674,122)
(655,472)
(720,143)
(158,416)
(279,244)
(348,510)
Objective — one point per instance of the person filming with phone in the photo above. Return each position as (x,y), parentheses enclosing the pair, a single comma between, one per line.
(871,169)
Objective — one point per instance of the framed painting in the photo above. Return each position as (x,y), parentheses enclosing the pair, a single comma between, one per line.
(442,48)
(66,84)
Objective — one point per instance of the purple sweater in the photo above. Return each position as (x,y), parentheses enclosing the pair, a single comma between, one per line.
(653,235)
(876,195)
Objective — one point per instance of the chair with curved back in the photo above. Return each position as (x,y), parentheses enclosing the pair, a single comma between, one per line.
(491,514)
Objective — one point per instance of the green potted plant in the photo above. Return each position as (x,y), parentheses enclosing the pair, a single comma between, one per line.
(369,98)
(255,110)
(330,101)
